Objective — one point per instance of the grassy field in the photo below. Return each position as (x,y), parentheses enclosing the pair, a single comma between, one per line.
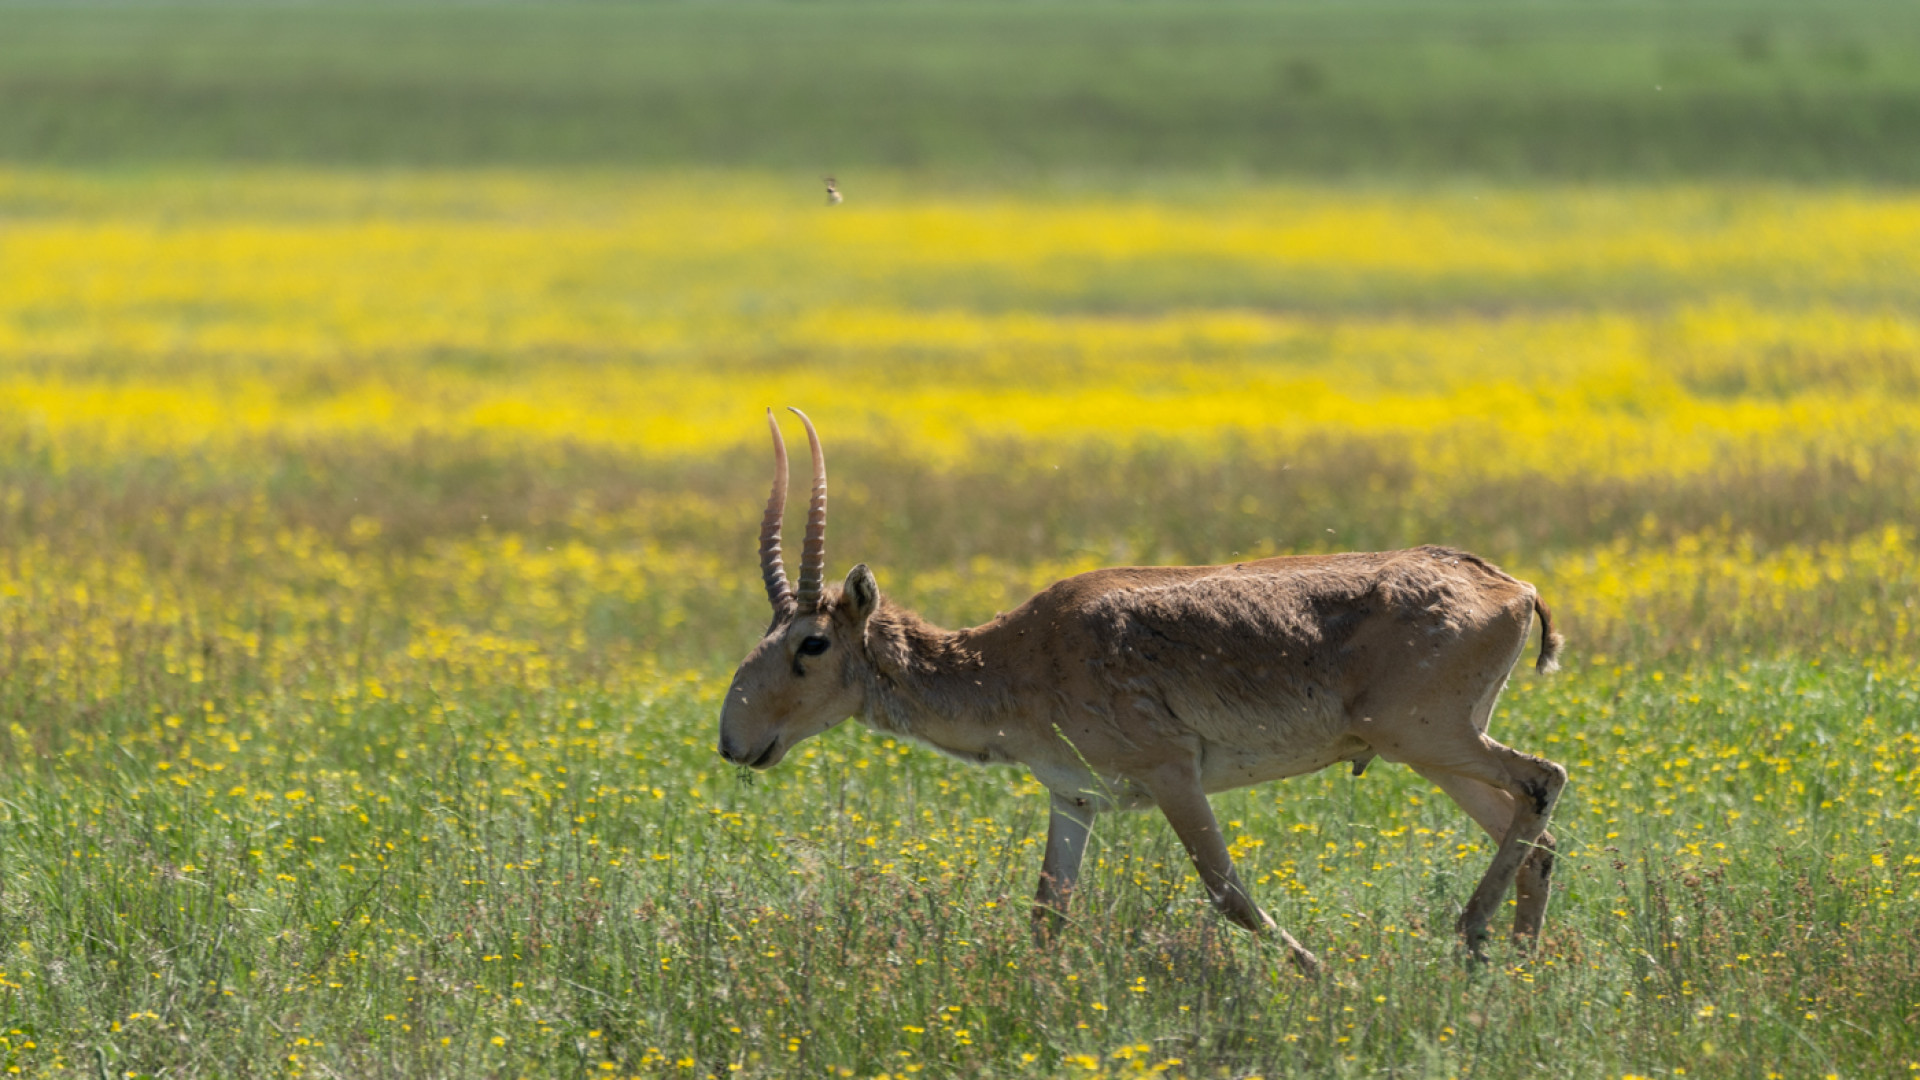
(381,460)
(375,549)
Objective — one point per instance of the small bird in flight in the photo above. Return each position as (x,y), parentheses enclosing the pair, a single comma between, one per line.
(833,193)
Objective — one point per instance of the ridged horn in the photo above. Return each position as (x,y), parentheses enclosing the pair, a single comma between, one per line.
(771,569)
(813,553)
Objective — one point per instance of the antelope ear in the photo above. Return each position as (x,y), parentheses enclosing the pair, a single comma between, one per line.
(861,595)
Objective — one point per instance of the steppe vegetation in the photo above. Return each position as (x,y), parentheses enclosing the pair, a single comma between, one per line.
(375,543)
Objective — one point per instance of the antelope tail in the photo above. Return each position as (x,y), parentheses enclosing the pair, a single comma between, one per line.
(1550,642)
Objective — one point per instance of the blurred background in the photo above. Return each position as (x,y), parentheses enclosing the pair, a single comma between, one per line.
(1517,89)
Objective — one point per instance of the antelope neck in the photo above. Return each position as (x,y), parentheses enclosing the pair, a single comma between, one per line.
(933,685)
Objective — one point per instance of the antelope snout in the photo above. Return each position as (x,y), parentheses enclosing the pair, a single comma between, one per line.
(734,755)
(753,757)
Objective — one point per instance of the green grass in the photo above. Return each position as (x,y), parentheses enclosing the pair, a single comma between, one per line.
(1512,89)
(533,883)
(266,837)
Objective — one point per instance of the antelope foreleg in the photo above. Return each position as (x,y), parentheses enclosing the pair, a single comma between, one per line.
(1178,792)
(1068,825)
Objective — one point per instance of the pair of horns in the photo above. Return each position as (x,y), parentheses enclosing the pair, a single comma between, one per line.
(813,553)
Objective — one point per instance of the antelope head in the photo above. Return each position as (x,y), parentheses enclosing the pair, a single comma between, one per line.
(809,672)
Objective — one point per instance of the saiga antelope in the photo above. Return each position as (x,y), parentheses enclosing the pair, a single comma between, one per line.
(1154,686)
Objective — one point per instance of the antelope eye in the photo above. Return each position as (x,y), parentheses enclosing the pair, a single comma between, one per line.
(814,646)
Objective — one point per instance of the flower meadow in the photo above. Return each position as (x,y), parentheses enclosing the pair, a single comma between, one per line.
(374,548)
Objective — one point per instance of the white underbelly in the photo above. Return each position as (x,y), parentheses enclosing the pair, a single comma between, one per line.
(1223,768)
(1084,788)
(1253,746)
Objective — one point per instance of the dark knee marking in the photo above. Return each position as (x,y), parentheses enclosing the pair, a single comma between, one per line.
(1541,795)
(1544,867)
(1544,790)
(1543,862)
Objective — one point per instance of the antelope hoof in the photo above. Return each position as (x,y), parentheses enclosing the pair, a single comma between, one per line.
(1308,963)
(1474,938)
(1046,925)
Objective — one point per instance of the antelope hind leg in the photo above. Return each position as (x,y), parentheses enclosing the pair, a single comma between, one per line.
(1531,786)
(1532,887)
(1493,809)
